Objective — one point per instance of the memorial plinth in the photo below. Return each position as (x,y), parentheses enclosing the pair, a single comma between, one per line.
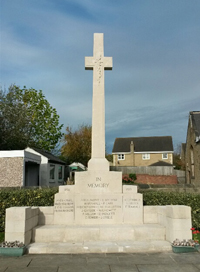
(97,208)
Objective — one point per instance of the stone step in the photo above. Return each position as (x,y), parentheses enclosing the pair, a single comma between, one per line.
(83,233)
(100,247)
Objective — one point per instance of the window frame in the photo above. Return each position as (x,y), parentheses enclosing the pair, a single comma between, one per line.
(164,157)
(60,167)
(146,156)
(54,168)
(121,157)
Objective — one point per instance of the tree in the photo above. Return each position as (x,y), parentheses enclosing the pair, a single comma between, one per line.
(109,157)
(177,161)
(27,119)
(77,144)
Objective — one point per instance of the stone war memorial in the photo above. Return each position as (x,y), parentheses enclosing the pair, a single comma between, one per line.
(97,214)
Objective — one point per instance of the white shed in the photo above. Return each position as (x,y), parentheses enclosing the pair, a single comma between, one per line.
(19,168)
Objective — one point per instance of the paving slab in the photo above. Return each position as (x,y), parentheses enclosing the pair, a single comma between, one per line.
(197,265)
(106,260)
(187,257)
(3,268)
(167,268)
(119,262)
(57,260)
(123,268)
(145,259)
(86,268)
(15,261)
(33,269)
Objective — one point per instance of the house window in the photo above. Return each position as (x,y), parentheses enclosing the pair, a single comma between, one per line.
(164,156)
(52,171)
(146,156)
(60,172)
(121,157)
(192,161)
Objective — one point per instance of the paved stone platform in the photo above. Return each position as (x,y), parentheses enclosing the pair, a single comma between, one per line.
(81,233)
(118,262)
(99,247)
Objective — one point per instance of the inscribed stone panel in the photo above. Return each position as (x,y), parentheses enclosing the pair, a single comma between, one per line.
(98,209)
(133,208)
(63,209)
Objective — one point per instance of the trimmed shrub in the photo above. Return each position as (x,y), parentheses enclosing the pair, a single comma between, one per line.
(24,197)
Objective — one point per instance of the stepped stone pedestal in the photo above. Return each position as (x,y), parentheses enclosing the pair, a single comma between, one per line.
(35,226)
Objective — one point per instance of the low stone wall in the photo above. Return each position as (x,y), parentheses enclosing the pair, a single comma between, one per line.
(19,223)
(175,218)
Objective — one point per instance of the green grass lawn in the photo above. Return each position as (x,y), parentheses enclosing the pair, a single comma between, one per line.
(1,237)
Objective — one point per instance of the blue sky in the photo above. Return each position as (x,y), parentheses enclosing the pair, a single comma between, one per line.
(155,45)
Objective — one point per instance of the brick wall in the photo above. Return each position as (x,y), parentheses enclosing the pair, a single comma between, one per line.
(147,179)
(11,172)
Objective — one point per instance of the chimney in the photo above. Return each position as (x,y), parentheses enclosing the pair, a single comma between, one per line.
(132,147)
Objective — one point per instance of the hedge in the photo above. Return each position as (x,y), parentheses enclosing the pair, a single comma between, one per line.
(24,197)
(45,197)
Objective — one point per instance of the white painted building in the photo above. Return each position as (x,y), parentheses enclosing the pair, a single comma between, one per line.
(30,167)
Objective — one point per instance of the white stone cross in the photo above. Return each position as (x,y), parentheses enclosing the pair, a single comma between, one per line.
(98,63)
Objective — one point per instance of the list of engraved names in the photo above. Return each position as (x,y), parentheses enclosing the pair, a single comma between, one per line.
(100,207)
(64,205)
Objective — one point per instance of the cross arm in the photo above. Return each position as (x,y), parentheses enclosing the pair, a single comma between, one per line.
(108,63)
(89,63)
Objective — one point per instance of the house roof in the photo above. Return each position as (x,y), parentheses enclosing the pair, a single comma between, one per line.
(47,154)
(143,144)
(196,123)
(161,163)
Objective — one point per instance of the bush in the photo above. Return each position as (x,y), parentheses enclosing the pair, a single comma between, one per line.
(24,197)
(129,179)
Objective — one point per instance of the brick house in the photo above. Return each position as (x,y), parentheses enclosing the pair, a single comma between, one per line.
(192,153)
(143,151)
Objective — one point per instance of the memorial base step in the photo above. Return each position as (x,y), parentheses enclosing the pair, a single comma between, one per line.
(99,247)
(83,233)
